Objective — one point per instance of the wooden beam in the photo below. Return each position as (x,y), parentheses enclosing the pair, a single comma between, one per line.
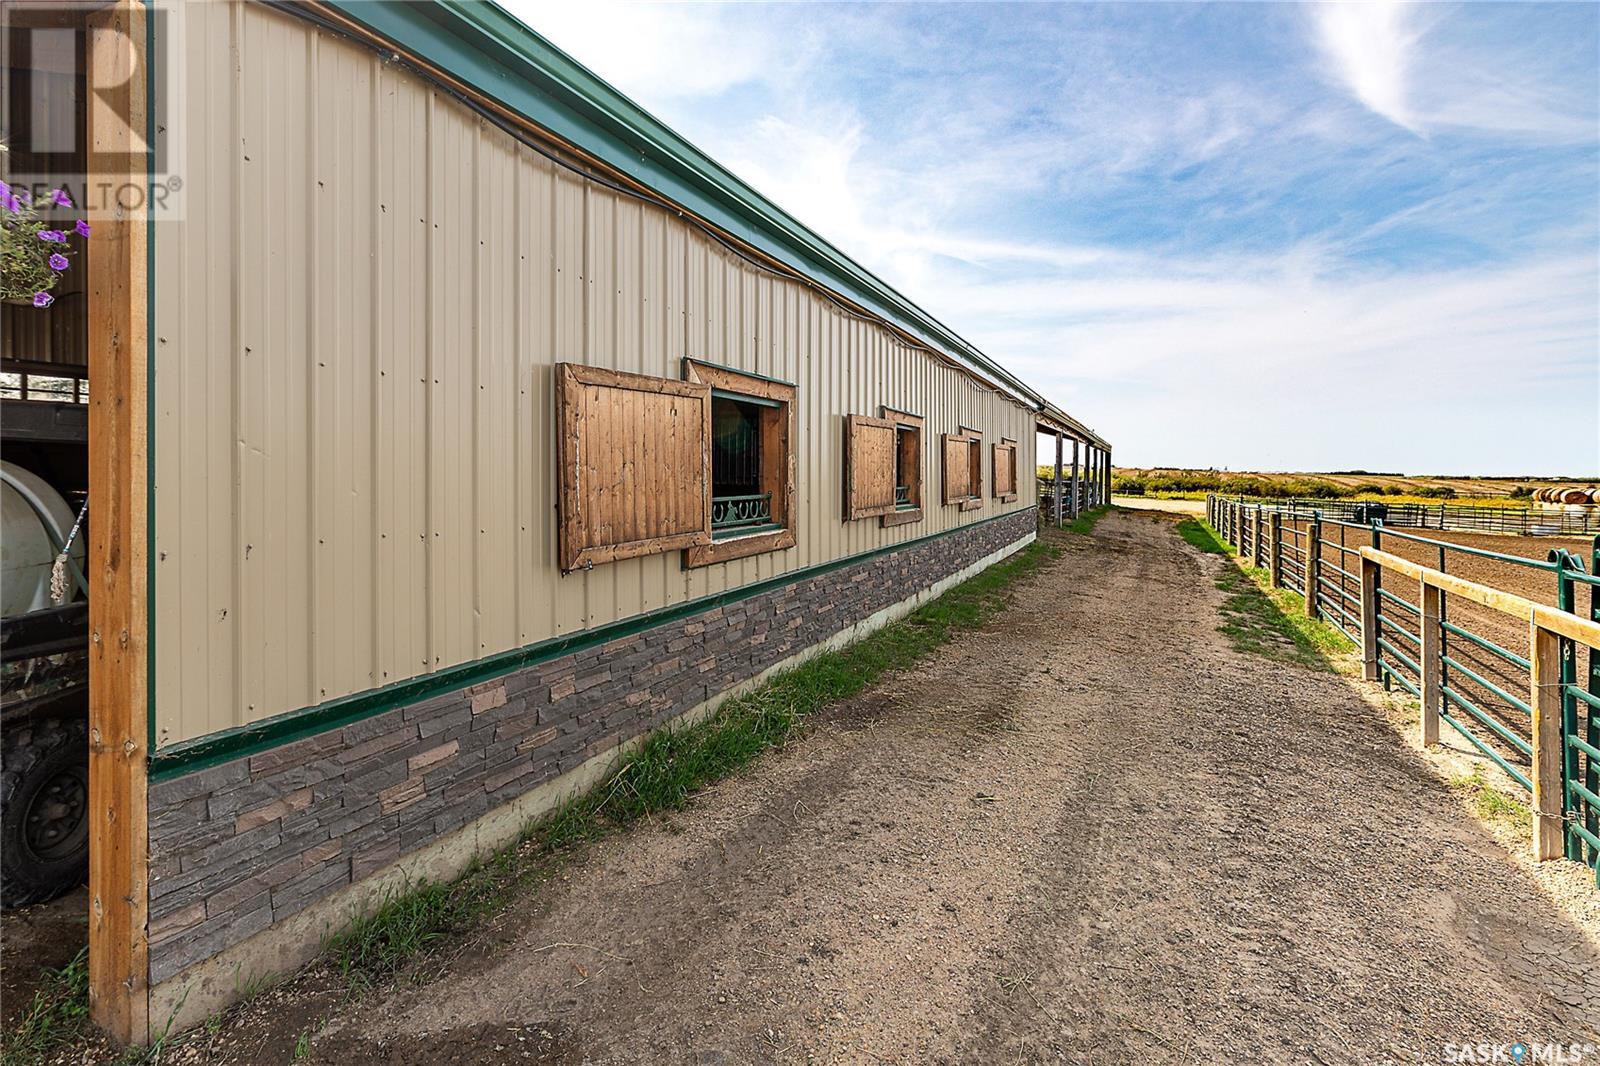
(1057,484)
(1562,623)
(1432,603)
(1369,617)
(1275,552)
(1313,566)
(1545,656)
(119,989)
(1075,499)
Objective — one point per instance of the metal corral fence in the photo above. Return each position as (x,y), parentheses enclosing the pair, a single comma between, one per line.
(1457,645)
(1088,496)
(1546,520)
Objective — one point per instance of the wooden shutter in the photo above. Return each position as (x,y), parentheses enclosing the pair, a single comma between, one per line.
(869,462)
(633,463)
(956,478)
(1005,470)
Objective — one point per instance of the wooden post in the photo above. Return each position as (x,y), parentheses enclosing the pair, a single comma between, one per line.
(1075,500)
(1432,664)
(1313,566)
(1275,556)
(119,972)
(1057,487)
(1545,671)
(1369,619)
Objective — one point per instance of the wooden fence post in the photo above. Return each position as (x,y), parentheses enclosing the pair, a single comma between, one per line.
(1369,619)
(1313,565)
(1275,553)
(1056,487)
(1077,500)
(1431,600)
(1545,671)
(1255,540)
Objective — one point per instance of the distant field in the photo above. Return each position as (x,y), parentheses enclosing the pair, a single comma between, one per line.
(1352,484)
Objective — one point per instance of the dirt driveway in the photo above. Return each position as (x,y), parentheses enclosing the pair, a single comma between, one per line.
(1091,832)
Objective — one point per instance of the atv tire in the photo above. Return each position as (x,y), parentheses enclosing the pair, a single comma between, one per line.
(44,808)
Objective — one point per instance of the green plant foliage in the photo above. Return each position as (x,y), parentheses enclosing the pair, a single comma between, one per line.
(1261,620)
(58,1014)
(1202,536)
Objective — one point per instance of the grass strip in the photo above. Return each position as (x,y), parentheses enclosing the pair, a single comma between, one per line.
(1085,522)
(1201,535)
(58,1014)
(1490,804)
(666,770)
(1261,620)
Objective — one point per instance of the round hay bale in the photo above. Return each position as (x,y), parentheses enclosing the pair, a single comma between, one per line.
(1574,495)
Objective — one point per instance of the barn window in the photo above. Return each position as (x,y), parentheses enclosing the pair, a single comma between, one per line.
(738,503)
(633,460)
(883,467)
(751,464)
(963,469)
(1005,470)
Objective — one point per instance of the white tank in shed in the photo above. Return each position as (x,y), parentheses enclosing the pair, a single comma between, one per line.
(33,520)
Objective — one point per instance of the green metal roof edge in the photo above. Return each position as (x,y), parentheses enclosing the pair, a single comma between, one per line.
(486,47)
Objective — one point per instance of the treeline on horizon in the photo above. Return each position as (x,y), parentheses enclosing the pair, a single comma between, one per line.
(1278,488)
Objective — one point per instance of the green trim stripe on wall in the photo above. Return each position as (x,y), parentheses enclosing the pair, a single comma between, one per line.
(151,70)
(192,755)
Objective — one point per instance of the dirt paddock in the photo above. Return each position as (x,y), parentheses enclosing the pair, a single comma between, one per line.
(1090,832)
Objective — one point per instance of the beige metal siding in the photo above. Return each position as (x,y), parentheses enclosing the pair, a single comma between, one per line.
(356,322)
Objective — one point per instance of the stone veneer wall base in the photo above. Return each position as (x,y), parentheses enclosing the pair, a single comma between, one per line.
(191,995)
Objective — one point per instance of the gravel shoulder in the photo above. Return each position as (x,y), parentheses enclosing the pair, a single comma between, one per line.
(1091,830)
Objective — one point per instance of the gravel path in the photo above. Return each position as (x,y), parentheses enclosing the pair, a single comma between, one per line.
(1089,832)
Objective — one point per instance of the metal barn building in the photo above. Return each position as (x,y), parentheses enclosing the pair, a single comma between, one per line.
(457,425)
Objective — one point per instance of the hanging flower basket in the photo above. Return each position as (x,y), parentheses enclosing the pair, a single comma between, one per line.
(34,252)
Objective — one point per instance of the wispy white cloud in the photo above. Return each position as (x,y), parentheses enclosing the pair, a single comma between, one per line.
(1428,68)
(1210,257)
(655,52)
(1371,44)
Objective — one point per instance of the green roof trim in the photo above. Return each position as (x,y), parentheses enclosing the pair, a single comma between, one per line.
(482,45)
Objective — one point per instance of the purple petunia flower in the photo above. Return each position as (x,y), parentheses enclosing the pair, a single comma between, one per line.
(43,299)
(12,204)
(52,235)
(60,198)
(59,262)
(82,227)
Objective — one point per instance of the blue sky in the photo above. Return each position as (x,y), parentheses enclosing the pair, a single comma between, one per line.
(1265,236)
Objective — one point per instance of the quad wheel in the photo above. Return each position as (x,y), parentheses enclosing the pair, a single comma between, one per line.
(44,808)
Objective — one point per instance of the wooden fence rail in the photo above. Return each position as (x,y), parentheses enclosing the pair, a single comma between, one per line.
(1564,749)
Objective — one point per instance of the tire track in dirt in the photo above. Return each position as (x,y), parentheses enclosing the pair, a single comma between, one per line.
(1089,831)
